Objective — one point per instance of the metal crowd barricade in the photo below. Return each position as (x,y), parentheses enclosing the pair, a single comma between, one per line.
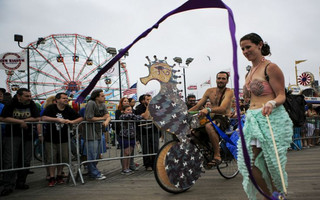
(145,130)
(298,138)
(37,158)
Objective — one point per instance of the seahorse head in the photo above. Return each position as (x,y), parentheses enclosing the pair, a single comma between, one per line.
(158,70)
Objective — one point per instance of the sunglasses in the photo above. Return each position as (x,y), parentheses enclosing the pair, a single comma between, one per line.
(222,78)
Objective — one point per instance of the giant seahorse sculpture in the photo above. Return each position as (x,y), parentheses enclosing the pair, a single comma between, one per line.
(169,112)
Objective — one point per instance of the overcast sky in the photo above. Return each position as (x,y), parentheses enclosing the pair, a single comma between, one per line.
(291,28)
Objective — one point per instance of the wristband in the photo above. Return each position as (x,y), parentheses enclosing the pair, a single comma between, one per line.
(209,110)
(273,103)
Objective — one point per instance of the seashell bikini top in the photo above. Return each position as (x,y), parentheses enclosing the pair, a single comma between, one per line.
(259,87)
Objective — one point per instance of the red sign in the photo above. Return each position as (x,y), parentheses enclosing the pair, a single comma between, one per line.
(192,87)
(13,61)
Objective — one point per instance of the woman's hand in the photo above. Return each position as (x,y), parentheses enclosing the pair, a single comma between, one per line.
(268,107)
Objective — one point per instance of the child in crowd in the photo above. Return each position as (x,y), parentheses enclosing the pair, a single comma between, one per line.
(311,124)
(126,137)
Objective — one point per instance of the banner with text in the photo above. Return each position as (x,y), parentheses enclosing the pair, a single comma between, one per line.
(13,61)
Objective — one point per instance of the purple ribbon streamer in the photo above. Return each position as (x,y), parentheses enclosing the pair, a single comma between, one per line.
(190,5)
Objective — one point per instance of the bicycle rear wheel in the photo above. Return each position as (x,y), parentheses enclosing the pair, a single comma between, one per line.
(229,167)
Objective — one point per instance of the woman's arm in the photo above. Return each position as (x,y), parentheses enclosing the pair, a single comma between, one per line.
(276,80)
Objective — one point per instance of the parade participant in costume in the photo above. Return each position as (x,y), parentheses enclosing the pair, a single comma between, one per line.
(220,98)
(265,86)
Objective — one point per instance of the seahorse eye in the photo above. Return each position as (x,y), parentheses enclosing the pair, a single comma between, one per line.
(159,67)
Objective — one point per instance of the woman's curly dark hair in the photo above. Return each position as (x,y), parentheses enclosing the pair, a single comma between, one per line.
(256,39)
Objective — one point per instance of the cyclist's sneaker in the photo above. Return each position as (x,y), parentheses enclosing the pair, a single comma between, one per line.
(101,177)
(52,182)
(60,180)
(127,172)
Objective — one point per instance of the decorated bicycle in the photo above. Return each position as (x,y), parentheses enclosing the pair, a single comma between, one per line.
(180,161)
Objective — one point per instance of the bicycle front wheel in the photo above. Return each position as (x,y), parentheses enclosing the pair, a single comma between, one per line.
(177,167)
(229,167)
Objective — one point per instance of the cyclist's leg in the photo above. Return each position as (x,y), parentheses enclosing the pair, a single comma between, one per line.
(214,139)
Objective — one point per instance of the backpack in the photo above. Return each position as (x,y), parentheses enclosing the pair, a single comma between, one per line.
(294,105)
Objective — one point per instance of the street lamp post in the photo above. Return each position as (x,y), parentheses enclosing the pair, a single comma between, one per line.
(119,64)
(19,38)
(179,61)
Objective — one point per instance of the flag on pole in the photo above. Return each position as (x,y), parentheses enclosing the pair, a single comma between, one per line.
(208,82)
(192,87)
(132,90)
(113,71)
(300,61)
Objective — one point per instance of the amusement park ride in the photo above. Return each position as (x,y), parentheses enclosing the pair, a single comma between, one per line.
(68,63)
(307,86)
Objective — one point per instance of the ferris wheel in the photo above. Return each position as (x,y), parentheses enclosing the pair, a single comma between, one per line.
(68,63)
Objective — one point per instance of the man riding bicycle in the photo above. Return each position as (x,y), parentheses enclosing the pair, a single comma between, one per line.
(220,98)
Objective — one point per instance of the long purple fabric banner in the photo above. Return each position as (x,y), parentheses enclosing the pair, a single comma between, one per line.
(189,5)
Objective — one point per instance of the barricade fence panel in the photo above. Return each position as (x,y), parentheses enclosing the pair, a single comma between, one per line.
(113,142)
(33,147)
(309,131)
(85,143)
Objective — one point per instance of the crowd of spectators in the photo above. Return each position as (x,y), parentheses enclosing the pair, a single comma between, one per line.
(21,109)
(56,110)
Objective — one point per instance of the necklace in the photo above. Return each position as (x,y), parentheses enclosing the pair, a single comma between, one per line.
(252,71)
